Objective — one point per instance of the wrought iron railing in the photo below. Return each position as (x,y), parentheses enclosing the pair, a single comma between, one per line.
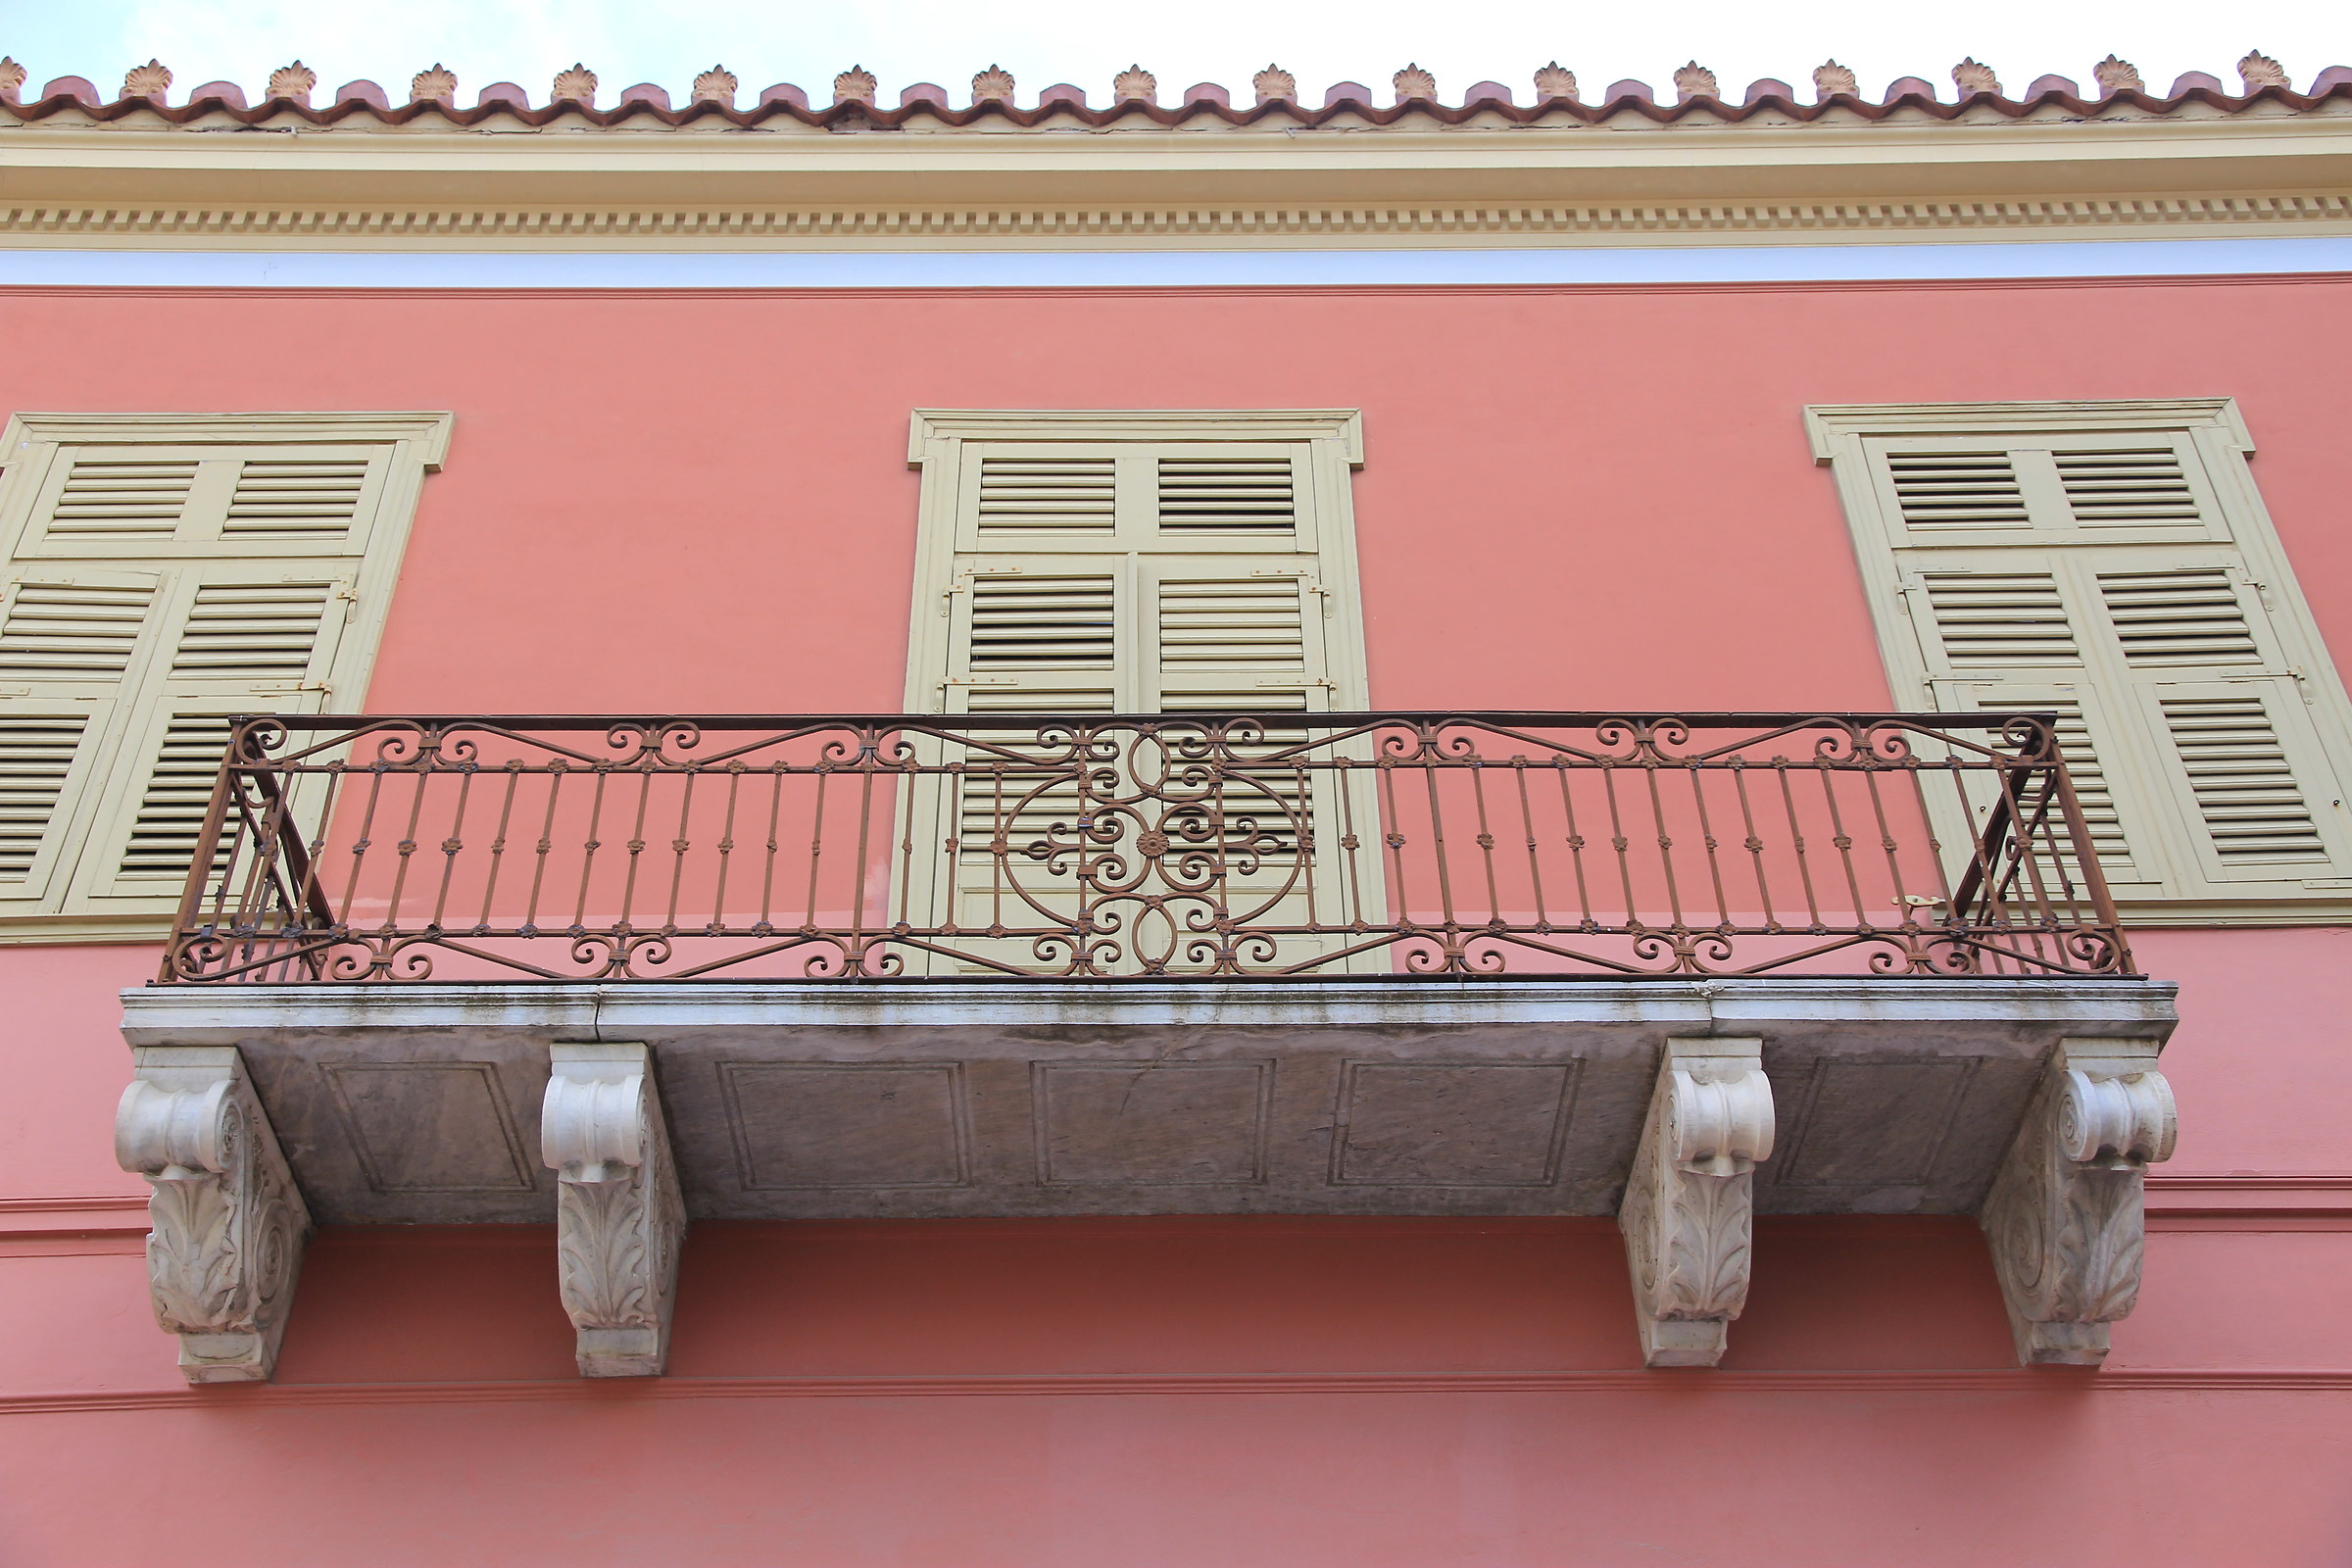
(405,849)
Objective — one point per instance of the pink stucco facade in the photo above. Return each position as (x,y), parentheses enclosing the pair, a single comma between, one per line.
(1572,497)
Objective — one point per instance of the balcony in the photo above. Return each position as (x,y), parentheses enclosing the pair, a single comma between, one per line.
(621,972)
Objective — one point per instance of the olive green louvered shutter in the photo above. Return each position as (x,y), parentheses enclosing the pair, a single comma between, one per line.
(232,641)
(71,643)
(2126,580)
(166,572)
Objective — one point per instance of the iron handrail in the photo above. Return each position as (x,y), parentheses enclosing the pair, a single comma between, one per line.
(569,847)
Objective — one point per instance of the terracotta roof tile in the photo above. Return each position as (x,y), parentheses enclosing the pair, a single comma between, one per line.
(363,104)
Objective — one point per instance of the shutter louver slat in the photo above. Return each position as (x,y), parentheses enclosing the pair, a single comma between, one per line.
(1057,494)
(36,754)
(107,501)
(2189,616)
(1044,622)
(2244,786)
(1226,495)
(2130,487)
(171,814)
(1990,621)
(1957,490)
(252,632)
(72,631)
(1230,622)
(295,499)
(2091,791)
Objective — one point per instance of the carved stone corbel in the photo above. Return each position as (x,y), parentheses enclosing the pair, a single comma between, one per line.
(226,1222)
(2065,1216)
(619,1218)
(1688,1210)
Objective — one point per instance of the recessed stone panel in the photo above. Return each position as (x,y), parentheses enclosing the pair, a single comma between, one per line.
(1152,1124)
(1451,1124)
(816,1125)
(1872,1123)
(430,1127)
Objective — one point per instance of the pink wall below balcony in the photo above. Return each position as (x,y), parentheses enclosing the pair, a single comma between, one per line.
(1180,1392)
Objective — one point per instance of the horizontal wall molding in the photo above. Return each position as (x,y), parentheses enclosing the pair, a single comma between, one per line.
(2225,1199)
(2031,1382)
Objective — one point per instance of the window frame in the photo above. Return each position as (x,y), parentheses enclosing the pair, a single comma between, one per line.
(1885,547)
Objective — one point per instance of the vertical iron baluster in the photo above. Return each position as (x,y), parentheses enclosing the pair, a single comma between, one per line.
(726,846)
(595,825)
(557,773)
(678,846)
(1796,842)
(1305,837)
(817,842)
(1753,843)
(776,770)
(1706,835)
(360,845)
(1527,824)
(857,877)
(1486,839)
(910,769)
(1651,768)
(512,768)
(1843,841)
(1350,843)
(1437,852)
(1393,835)
(624,923)
(454,845)
(1620,843)
(1575,844)
(420,768)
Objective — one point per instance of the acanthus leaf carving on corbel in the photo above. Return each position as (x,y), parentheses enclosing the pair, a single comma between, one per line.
(2066,1217)
(1688,1214)
(619,1217)
(228,1224)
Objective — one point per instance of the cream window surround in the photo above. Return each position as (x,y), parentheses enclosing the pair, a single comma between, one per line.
(2112,562)
(164,573)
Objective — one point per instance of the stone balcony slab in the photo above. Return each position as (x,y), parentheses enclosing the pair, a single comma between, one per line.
(919,1099)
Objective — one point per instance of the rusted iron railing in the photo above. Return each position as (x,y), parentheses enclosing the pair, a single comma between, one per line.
(346,848)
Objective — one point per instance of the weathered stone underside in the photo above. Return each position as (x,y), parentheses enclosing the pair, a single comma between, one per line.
(1680,1107)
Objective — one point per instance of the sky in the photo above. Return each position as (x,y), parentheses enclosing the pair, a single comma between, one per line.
(1088,41)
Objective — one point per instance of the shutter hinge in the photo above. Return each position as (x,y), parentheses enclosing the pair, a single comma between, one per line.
(278,687)
(349,593)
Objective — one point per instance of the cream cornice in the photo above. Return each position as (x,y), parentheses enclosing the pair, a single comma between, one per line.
(931,425)
(429,430)
(163,188)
